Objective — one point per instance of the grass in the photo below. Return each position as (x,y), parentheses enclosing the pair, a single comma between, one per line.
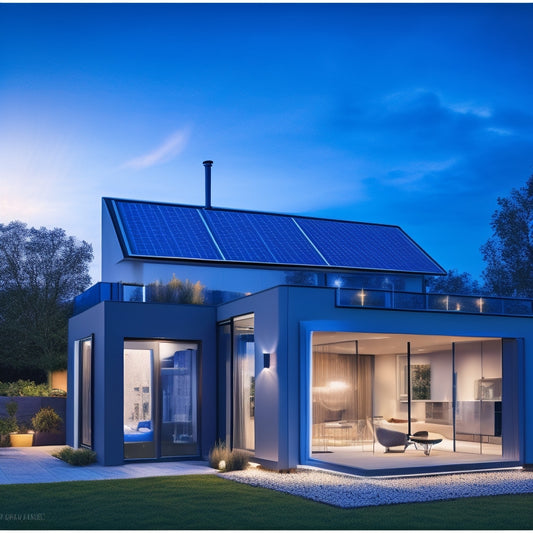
(208,502)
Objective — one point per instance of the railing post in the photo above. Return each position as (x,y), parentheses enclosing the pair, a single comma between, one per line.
(409,388)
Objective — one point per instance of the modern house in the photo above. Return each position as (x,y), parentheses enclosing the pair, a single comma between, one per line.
(305,339)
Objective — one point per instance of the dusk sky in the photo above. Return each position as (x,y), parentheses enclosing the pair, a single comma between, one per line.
(418,115)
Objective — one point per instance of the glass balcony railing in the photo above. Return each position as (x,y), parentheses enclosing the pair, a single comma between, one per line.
(383,299)
(109,292)
(130,292)
(358,298)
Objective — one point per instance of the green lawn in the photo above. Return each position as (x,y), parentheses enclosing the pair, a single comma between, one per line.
(209,502)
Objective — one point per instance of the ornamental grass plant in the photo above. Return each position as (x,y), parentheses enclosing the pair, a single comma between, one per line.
(76,457)
(225,460)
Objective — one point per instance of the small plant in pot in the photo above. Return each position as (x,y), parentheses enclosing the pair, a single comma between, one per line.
(48,426)
(7,426)
(20,436)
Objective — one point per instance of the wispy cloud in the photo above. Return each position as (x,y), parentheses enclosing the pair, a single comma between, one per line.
(167,150)
(467,108)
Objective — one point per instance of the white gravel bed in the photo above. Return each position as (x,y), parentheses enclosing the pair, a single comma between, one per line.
(349,491)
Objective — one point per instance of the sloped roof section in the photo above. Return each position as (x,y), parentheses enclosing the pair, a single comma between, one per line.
(189,233)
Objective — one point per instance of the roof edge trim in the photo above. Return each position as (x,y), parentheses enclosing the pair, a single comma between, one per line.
(278,266)
(120,231)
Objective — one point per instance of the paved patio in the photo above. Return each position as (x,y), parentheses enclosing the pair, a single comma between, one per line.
(36,465)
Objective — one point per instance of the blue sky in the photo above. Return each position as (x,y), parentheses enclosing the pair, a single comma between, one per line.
(418,115)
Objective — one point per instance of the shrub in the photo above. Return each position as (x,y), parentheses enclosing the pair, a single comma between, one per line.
(218,453)
(7,426)
(24,388)
(237,460)
(76,457)
(225,460)
(46,420)
(12,408)
(10,423)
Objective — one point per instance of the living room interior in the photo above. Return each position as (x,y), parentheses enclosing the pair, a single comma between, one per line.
(448,390)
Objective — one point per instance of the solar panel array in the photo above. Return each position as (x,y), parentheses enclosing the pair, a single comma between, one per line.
(376,247)
(172,231)
(165,231)
(261,238)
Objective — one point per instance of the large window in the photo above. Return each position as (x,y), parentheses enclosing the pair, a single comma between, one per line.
(139,421)
(85,425)
(160,399)
(243,383)
(342,382)
(449,386)
(179,429)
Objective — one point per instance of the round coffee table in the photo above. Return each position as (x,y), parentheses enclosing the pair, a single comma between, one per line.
(426,440)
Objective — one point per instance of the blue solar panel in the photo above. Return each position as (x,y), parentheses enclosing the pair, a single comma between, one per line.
(369,246)
(237,238)
(261,238)
(182,232)
(165,231)
(285,239)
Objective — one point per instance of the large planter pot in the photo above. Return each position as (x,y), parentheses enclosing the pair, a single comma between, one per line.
(21,440)
(49,438)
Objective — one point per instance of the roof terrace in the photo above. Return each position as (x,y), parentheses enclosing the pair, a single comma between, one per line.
(350,298)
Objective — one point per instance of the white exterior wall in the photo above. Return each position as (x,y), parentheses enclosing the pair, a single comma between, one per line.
(114,267)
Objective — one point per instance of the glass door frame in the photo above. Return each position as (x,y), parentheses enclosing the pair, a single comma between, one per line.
(456,398)
(234,391)
(226,354)
(153,344)
(86,408)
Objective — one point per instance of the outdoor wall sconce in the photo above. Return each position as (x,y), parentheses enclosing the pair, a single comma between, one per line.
(266,360)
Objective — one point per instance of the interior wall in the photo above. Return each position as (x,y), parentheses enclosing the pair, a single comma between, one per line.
(441,376)
(386,402)
(492,363)
(468,369)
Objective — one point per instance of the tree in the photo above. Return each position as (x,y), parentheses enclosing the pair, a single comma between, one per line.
(41,271)
(509,252)
(454,283)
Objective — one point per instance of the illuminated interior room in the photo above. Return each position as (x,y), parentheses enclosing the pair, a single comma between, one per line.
(360,382)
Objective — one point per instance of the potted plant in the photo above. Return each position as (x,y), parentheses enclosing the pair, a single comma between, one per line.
(48,426)
(7,426)
(20,436)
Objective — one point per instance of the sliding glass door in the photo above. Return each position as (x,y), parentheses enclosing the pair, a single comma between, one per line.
(342,396)
(139,413)
(478,401)
(244,383)
(179,429)
(160,399)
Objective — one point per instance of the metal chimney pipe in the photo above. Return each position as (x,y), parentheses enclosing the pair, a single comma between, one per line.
(208,165)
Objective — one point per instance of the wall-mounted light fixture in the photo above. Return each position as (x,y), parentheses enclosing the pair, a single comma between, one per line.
(266,360)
